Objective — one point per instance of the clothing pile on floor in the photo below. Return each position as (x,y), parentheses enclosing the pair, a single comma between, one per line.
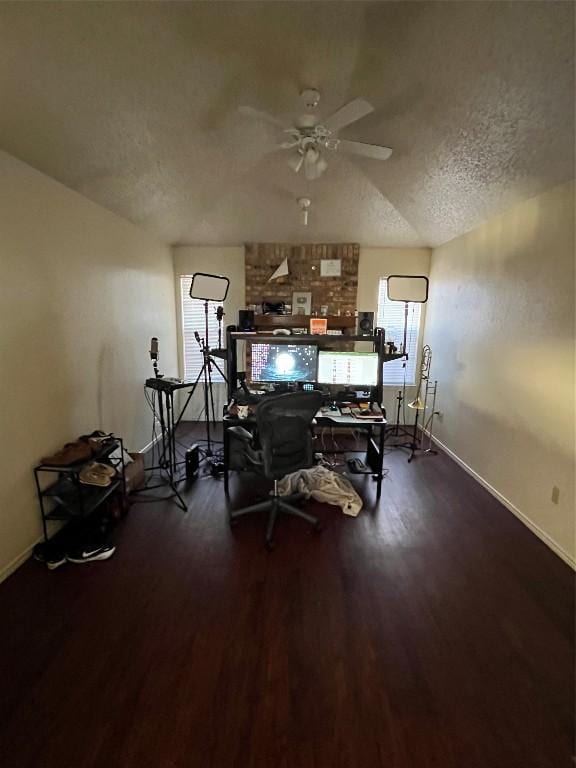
(81,540)
(323,485)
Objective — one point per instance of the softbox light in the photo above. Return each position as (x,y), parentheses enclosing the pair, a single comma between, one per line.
(408,288)
(209,287)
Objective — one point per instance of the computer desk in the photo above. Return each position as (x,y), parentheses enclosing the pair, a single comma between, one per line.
(374,458)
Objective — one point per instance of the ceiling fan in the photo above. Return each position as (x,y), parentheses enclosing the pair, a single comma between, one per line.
(309,136)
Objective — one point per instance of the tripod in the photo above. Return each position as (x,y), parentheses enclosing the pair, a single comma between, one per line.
(401,431)
(205,373)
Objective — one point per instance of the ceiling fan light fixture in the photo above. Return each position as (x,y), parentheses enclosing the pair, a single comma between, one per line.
(321,165)
(295,161)
(310,97)
(311,156)
(311,172)
(311,135)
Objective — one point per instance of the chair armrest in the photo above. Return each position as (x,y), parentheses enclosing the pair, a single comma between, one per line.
(241,434)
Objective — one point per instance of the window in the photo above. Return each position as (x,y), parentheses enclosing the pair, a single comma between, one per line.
(193,319)
(391,318)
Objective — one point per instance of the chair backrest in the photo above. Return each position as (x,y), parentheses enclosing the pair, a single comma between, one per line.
(283,423)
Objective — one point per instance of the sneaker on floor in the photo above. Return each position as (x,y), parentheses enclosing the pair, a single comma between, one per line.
(87,554)
(51,553)
(55,561)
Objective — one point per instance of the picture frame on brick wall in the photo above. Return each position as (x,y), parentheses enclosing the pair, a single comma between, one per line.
(330,267)
(302,303)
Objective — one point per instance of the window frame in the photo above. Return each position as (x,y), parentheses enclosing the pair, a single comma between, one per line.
(185,281)
(409,366)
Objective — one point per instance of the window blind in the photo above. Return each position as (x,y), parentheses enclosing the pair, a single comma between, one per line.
(391,318)
(193,320)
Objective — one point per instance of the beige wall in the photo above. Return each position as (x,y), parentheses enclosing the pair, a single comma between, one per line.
(381,262)
(501,326)
(82,292)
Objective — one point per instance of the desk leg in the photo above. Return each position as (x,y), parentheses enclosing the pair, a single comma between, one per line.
(226,457)
(380,460)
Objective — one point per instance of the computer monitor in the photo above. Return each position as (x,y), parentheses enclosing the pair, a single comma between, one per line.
(345,368)
(284,362)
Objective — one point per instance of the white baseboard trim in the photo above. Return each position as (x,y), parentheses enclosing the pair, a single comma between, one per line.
(9,569)
(150,445)
(548,540)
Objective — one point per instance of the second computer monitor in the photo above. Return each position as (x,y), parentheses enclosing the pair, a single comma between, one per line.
(348,368)
(283,362)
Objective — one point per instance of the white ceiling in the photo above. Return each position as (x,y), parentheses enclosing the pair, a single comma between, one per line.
(134,105)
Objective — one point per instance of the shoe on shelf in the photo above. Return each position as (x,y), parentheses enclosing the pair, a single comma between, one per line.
(104,469)
(97,440)
(88,554)
(72,453)
(97,474)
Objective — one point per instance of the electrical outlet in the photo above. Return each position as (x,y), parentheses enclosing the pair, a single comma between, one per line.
(555,494)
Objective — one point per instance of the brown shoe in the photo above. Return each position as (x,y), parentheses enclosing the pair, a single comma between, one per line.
(97,439)
(72,453)
(92,475)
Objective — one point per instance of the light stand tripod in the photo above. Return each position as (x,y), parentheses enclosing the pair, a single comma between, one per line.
(205,373)
(207,288)
(409,289)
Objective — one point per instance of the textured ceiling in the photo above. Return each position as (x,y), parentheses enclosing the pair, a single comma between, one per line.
(135,106)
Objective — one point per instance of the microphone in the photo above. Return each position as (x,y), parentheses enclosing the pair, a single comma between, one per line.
(219,313)
(197,336)
(154,348)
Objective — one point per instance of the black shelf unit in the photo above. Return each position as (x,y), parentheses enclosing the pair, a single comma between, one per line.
(323,340)
(73,498)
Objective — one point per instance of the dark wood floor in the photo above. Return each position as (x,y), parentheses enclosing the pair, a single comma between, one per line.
(433,630)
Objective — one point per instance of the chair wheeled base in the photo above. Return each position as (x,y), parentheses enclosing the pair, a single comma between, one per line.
(275,506)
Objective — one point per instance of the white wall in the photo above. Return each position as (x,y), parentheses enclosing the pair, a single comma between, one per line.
(82,291)
(501,325)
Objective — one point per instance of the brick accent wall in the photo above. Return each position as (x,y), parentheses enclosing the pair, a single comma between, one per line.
(338,293)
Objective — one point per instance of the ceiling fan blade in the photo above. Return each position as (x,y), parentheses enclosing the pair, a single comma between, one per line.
(366,150)
(347,114)
(257,114)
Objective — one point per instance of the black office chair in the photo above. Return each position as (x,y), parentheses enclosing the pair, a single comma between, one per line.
(283,424)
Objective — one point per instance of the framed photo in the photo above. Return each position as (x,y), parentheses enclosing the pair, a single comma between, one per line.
(302,303)
(330,267)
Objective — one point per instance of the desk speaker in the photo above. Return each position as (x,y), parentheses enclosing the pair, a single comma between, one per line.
(245,320)
(365,323)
